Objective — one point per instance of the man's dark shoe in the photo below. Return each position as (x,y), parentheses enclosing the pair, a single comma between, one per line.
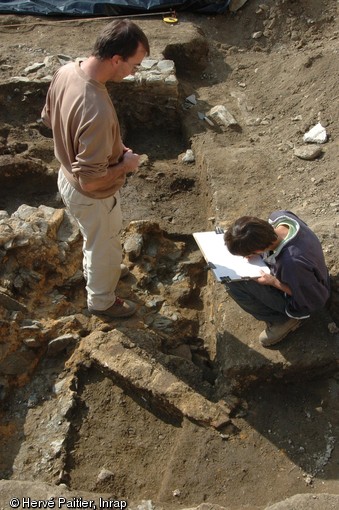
(121,308)
(274,333)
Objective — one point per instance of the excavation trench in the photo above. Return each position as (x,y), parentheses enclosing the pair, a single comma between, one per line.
(129,408)
(133,409)
(165,201)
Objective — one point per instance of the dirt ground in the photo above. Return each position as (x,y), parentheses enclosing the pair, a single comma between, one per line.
(278,85)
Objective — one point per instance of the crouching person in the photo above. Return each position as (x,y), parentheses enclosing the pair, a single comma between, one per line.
(298,283)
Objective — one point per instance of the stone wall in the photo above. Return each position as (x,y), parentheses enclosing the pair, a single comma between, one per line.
(150,96)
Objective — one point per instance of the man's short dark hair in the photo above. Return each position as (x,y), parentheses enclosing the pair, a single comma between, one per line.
(249,234)
(121,37)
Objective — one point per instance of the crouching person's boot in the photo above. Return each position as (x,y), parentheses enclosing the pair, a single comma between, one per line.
(274,333)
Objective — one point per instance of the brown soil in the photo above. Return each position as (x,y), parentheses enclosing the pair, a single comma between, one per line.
(283,83)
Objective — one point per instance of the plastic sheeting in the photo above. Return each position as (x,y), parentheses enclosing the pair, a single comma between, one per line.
(108,7)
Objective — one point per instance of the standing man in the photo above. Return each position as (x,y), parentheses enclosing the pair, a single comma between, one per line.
(298,283)
(94,161)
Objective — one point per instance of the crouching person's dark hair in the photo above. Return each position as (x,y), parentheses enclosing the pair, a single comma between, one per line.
(249,234)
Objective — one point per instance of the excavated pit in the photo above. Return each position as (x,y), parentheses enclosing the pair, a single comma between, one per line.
(131,408)
(110,435)
(167,195)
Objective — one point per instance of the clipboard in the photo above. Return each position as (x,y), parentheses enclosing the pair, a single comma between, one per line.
(225,266)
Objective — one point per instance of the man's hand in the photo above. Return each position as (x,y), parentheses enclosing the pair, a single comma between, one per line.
(130,161)
(270,279)
(267,279)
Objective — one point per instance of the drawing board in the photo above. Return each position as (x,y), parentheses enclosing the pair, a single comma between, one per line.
(225,266)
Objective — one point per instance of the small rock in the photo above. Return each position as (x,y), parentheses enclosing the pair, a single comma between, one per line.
(188,157)
(146,504)
(166,66)
(225,437)
(34,67)
(222,116)
(133,246)
(32,401)
(105,474)
(308,479)
(317,134)
(64,59)
(295,36)
(60,343)
(147,64)
(31,342)
(263,7)
(144,160)
(307,152)
(11,304)
(332,328)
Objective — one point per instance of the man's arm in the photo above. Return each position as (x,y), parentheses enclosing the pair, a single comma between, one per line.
(116,174)
(269,279)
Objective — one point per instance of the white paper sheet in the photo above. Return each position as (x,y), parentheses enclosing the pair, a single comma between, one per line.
(224,265)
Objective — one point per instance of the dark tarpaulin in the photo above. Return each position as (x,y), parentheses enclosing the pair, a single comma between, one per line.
(108,7)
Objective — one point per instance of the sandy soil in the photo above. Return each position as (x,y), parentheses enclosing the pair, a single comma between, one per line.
(278,85)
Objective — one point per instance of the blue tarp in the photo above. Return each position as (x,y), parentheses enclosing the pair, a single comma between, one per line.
(107,7)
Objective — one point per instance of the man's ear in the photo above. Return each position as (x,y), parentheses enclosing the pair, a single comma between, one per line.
(116,59)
